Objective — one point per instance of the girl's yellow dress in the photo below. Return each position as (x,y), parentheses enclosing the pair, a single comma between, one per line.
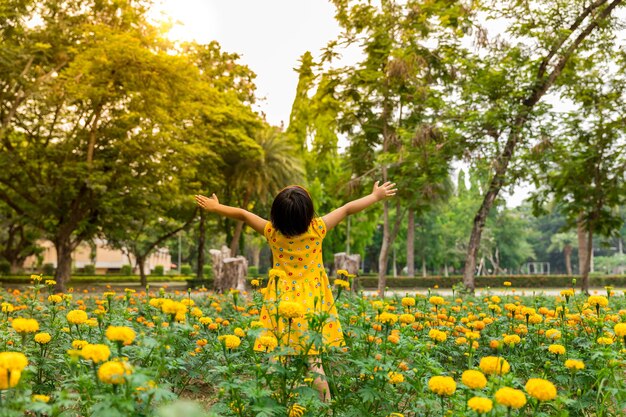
(304,281)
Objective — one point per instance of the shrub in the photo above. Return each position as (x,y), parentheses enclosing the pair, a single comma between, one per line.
(47,269)
(253,271)
(89,269)
(126,270)
(158,271)
(5,267)
(185,269)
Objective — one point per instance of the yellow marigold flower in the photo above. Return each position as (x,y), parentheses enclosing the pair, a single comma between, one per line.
(239,332)
(230,341)
(255,283)
(511,340)
(480,404)
(506,283)
(407,318)
(7,382)
(22,325)
(436,300)
(205,320)
(437,335)
(442,385)
(77,317)
(378,305)
(541,389)
(173,307)
(7,307)
(79,344)
(460,340)
(598,300)
(55,299)
(396,415)
(342,283)
(296,410)
(188,302)
(36,278)
(41,398)
(395,377)
(43,338)
(567,293)
(256,324)
(408,301)
(557,349)
(96,353)
(267,342)
(387,318)
(395,339)
(50,282)
(120,334)
(474,379)
(277,273)
(493,365)
(342,272)
(510,397)
(535,319)
(196,312)
(114,372)
(620,329)
(605,341)
(290,309)
(13,361)
(553,334)
(574,364)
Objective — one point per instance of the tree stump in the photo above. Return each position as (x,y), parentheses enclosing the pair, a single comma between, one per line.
(350,263)
(234,274)
(228,272)
(217,262)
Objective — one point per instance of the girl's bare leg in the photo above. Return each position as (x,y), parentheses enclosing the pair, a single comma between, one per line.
(320,383)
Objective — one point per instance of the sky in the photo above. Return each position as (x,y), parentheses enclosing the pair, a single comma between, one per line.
(270,36)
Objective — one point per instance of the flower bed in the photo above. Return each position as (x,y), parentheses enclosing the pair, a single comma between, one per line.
(134,353)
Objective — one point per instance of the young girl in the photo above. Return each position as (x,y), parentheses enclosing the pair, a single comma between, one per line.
(295,236)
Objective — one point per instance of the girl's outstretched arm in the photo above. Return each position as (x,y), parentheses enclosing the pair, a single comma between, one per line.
(213,205)
(378,193)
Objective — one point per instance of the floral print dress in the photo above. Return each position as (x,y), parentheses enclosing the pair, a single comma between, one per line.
(299,276)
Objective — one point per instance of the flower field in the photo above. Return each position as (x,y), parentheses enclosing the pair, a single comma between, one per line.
(136,353)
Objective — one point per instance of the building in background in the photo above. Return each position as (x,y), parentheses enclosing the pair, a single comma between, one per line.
(104,258)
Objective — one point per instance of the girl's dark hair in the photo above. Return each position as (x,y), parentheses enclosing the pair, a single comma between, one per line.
(292,211)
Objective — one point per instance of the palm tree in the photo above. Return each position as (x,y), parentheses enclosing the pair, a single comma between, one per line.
(280,165)
(564,242)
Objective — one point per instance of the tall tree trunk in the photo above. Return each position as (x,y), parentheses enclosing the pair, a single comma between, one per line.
(239,225)
(445,270)
(201,243)
(384,252)
(256,256)
(388,238)
(584,286)
(563,50)
(234,243)
(582,244)
(15,266)
(64,249)
(141,265)
(567,251)
(410,244)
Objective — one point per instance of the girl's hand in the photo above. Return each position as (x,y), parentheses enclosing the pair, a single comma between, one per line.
(207,203)
(384,191)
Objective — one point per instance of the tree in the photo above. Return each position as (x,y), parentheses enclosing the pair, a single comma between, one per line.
(92,101)
(504,85)
(388,98)
(564,242)
(584,171)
